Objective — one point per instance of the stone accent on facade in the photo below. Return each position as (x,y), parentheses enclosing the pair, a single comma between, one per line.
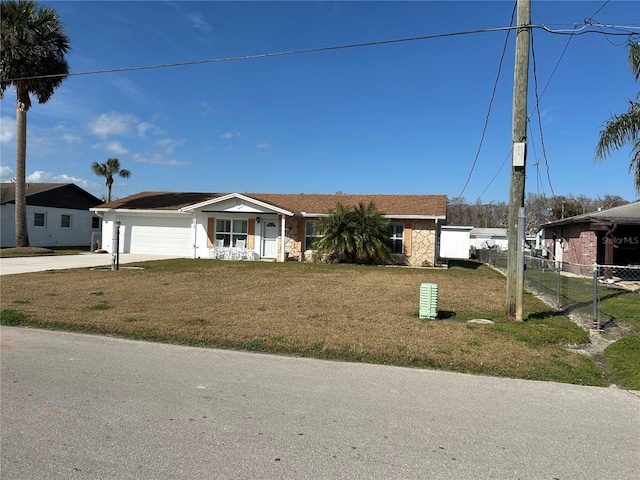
(291,245)
(423,243)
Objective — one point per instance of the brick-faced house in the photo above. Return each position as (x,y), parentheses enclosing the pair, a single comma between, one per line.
(607,237)
(271,226)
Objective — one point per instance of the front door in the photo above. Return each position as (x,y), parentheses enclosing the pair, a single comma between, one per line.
(270,240)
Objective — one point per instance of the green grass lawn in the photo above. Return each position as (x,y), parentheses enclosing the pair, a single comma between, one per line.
(345,312)
(576,294)
(623,358)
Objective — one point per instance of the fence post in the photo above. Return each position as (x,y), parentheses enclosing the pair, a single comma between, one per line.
(558,267)
(596,322)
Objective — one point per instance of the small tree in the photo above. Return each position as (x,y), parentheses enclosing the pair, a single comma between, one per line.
(354,235)
(107,170)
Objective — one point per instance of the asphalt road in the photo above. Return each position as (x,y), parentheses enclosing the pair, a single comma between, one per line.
(86,407)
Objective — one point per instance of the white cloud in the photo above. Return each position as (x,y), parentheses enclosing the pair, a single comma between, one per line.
(168,144)
(262,145)
(198,21)
(159,159)
(145,127)
(229,135)
(113,147)
(49,177)
(71,138)
(113,123)
(6,174)
(8,130)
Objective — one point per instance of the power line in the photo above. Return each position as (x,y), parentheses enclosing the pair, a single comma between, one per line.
(337,47)
(493,95)
(535,89)
(603,5)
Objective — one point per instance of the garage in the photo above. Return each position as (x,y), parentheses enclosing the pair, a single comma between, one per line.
(162,236)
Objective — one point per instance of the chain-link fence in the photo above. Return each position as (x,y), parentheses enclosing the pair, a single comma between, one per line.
(599,295)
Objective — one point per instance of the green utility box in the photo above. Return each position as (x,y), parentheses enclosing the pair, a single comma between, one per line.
(429,300)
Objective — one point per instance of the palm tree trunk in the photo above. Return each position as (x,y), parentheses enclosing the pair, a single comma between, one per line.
(22,234)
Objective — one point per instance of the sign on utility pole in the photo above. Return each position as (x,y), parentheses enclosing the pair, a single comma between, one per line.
(515,261)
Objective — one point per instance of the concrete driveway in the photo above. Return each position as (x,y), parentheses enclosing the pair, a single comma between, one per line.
(9,266)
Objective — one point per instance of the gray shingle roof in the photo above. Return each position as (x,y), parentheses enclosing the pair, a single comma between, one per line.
(626,214)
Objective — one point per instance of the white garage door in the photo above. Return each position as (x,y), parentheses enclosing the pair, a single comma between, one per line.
(162,236)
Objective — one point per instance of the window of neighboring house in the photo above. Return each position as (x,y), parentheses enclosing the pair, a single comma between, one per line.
(311,235)
(95,222)
(39,219)
(396,233)
(65,221)
(231,231)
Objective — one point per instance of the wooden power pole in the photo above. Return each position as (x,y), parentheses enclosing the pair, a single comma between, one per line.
(515,262)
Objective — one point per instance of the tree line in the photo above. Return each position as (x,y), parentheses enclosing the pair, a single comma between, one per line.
(539,209)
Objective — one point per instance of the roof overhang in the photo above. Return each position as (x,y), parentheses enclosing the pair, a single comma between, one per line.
(236,196)
(136,211)
(402,217)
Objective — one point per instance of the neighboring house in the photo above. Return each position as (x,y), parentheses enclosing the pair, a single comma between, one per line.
(607,237)
(484,238)
(272,226)
(57,215)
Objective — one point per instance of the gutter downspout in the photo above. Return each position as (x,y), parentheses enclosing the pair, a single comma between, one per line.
(194,227)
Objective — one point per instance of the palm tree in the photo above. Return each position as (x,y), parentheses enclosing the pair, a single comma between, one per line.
(358,234)
(624,129)
(107,170)
(33,46)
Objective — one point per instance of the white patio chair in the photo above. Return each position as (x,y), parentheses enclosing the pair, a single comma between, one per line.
(218,249)
(240,251)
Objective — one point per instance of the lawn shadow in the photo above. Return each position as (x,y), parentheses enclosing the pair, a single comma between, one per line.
(544,314)
(445,315)
(469,264)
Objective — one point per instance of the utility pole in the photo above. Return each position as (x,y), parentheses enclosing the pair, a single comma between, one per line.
(515,261)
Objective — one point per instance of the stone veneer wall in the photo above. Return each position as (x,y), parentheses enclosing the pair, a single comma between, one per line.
(291,245)
(423,244)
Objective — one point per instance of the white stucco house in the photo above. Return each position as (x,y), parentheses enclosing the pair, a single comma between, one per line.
(57,215)
(262,226)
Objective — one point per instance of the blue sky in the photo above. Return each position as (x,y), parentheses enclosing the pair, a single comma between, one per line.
(398,118)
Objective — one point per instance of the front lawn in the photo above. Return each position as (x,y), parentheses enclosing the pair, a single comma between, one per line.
(346,312)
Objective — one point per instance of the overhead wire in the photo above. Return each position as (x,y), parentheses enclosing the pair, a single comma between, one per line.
(537,106)
(333,48)
(535,90)
(493,95)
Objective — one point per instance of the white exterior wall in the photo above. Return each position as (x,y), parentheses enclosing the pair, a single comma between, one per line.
(202,249)
(455,242)
(52,234)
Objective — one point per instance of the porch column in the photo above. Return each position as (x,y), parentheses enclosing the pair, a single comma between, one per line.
(282,238)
